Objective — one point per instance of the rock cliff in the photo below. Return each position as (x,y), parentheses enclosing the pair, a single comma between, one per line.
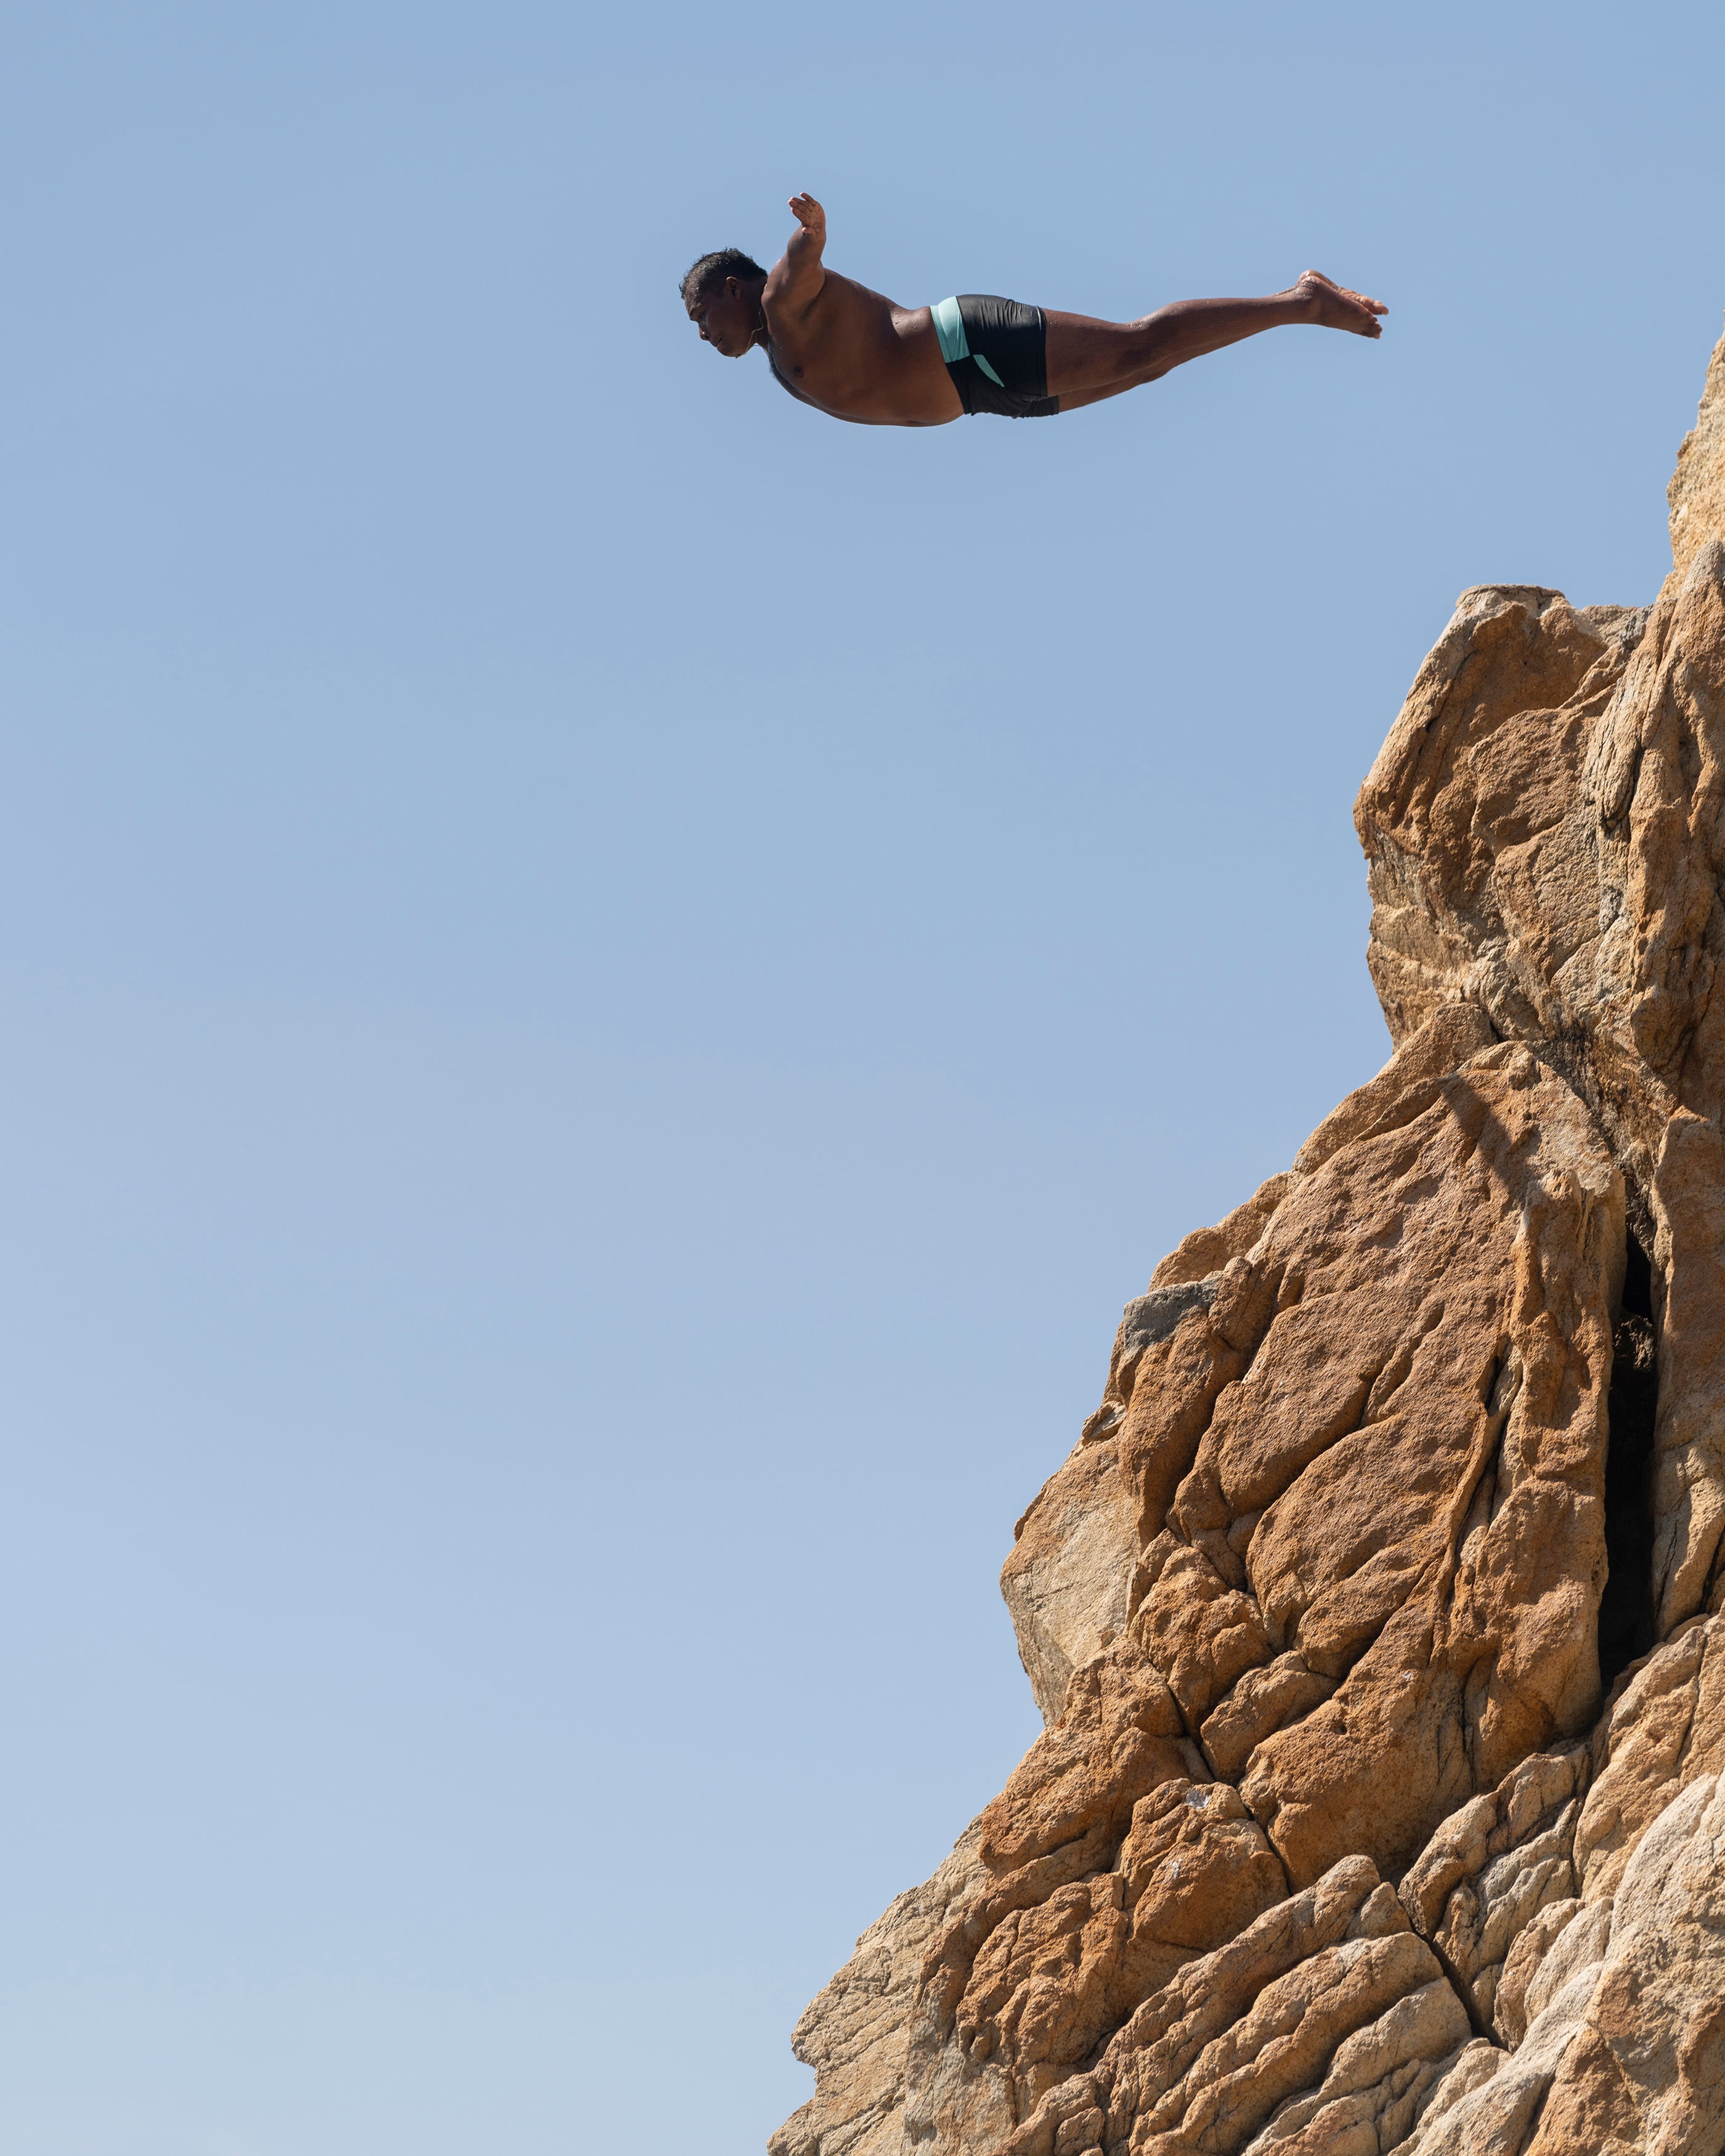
(1377,1618)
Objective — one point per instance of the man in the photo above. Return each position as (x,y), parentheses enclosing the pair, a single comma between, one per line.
(855,355)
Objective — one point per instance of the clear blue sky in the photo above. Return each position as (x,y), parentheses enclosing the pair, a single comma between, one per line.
(607,984)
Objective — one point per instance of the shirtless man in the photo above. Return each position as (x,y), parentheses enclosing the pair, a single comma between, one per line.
(855,355)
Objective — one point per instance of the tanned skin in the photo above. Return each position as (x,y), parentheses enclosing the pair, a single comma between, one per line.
(857,355)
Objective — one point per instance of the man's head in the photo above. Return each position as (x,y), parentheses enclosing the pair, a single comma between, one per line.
(722,293)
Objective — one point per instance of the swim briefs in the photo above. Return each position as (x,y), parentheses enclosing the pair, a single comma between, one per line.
(996,352)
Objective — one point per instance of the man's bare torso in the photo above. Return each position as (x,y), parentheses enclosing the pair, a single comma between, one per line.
(854,354)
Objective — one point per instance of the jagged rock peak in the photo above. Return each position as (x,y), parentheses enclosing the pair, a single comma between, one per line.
(1378,1616)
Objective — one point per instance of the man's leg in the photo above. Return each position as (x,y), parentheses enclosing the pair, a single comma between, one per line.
(1076,398)
(1088,358)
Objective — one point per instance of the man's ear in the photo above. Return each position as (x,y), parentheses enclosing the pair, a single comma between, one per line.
(733,288)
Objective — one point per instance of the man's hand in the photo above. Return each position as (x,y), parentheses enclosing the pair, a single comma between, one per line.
(813,218)
(798,277)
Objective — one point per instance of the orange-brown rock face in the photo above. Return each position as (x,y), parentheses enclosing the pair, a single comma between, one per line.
(1333,1842)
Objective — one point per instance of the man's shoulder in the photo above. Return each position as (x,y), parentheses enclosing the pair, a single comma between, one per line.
(838,294)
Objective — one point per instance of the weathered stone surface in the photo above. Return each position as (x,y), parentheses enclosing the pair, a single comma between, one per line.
(1067,1579)
(1696,493)
(1378,2081)
(1626,2052)
(1491,1868)
(1665,1729)
(853,2034)
(1329,1843)
(1115,1858)
(1411,1494)
(1203,2064)
(1544,831)
(1206,1251)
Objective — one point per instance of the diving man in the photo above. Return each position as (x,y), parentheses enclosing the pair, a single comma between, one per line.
(855,355)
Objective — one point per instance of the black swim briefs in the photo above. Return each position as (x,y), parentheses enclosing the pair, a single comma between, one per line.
(996,352)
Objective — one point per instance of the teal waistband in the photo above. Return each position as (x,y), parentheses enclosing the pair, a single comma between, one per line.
(949,328)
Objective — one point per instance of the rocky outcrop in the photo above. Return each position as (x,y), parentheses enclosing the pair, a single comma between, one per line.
(1374,1617)
(1696,493)
(853,2034)
(1607,2013)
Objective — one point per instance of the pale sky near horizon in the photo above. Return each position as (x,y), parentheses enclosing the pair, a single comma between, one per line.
(609,984)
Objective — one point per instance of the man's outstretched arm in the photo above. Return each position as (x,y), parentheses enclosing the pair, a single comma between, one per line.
(795,281)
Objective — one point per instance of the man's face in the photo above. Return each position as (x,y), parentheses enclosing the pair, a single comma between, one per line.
(727,317)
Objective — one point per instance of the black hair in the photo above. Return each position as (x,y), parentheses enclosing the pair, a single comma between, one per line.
(715,268)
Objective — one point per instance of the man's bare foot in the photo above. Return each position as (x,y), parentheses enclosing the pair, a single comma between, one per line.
(1334,307)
